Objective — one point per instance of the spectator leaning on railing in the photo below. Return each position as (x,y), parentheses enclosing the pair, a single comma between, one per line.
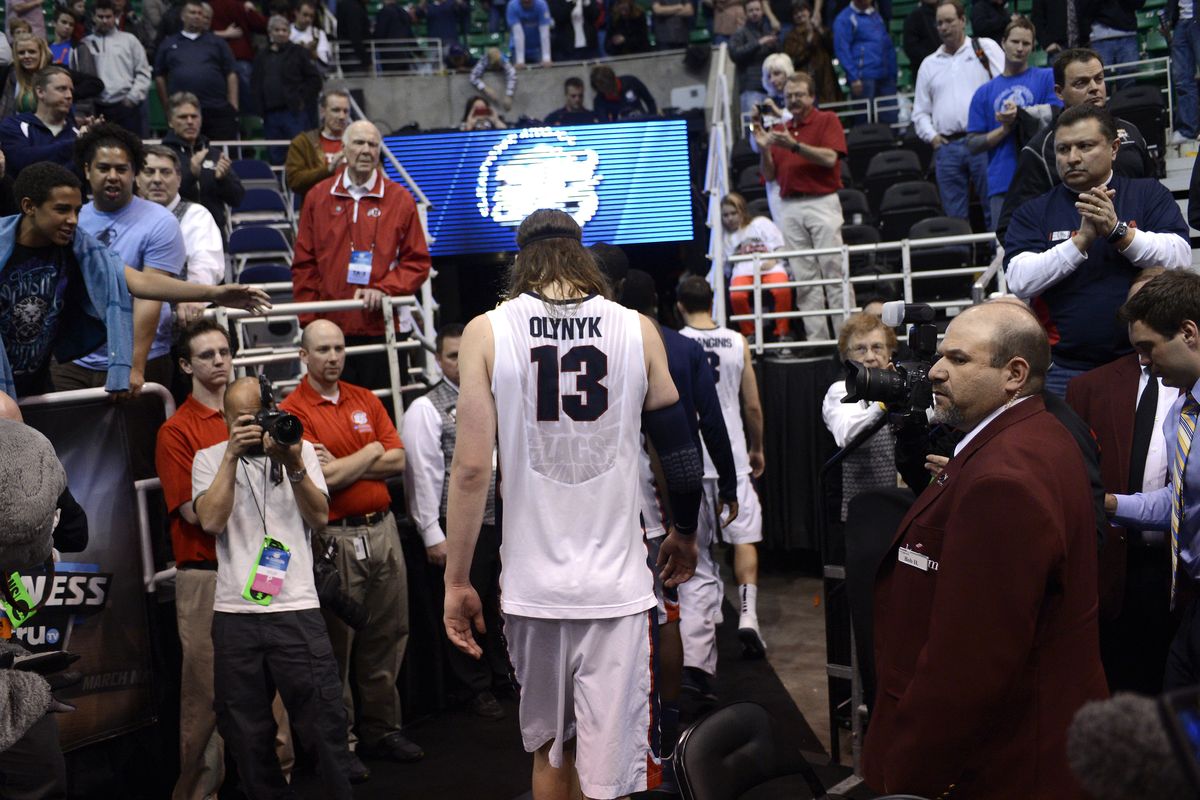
(495,61)
(529,26)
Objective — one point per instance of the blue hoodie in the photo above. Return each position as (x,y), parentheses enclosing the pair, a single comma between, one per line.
(863,46)
(107,311)
(24,138)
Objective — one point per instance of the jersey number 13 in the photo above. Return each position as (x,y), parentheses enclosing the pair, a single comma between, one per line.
(590,398)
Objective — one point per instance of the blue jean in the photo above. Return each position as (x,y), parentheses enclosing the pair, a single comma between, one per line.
(956,169)
(880,87)
(1121,50)
(283,124)
(1185,53)
(1058,377)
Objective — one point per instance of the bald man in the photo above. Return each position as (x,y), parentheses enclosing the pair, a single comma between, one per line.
(267,626)
(986,638)
(359,449)
(359,237)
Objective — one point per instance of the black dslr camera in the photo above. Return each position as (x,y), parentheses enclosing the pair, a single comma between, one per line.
(284,428)
(907,392)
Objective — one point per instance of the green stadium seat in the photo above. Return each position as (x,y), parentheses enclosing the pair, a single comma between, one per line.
(1038,58)
(1155,4)
(896,26)
(158,118)
(902,58)
(1024,7)
(1155,44)
(1147,20)
(700,36)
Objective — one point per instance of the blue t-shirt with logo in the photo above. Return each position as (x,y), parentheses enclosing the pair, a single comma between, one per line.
(1032,87)
(142,234)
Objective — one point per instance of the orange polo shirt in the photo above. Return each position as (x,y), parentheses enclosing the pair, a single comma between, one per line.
(193,427)
(345,427)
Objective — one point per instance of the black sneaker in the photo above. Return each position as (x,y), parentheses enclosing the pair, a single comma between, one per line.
(485,705)
(357,771)
(697,683)
(393,747)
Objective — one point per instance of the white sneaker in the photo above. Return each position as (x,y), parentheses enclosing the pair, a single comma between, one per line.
(1179,138)
(753,645)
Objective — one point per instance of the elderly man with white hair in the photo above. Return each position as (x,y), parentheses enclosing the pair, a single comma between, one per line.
(359,237)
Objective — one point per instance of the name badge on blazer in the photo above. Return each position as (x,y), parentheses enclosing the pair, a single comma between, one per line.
(919,560)
(1060,236)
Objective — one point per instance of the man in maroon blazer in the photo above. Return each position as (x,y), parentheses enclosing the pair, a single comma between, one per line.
(985,608)
(1136,626)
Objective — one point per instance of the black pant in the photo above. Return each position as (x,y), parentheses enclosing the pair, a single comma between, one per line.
(33,767)
(253,656)
(220,124)
(1183,659)
(128,117)
(1134,646)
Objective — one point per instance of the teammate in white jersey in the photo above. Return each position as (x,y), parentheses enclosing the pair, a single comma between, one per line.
(565,381)
(700,601)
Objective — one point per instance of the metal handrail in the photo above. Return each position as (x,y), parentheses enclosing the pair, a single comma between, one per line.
(716,177)
(396,52)
(984,276)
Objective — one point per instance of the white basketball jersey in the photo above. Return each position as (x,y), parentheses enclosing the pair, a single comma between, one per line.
(726,353)
(569,381)
(651,503)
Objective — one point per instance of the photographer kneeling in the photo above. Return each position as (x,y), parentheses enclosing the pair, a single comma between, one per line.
(865,340)
(262,498)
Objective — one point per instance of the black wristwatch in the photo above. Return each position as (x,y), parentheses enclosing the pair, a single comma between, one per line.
(297,476)
(1118,233)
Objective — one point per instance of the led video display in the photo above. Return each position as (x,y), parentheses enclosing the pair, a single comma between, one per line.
(623,183)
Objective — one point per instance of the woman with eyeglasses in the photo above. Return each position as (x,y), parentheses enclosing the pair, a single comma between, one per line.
(865,340)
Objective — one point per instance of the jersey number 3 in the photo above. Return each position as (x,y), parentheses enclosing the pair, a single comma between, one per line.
(590,398)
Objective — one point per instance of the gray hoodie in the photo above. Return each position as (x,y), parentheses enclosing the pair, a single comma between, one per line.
(121,63)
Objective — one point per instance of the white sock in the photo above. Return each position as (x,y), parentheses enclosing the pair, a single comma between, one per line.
(749,595)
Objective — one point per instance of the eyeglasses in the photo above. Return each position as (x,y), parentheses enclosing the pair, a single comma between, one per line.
(861,350)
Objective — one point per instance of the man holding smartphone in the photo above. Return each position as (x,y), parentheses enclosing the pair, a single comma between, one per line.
(267,624)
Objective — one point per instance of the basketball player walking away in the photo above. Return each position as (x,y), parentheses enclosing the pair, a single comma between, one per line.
(700,600)
(566,380)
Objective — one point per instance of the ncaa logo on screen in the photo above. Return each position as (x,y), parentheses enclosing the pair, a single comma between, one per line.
(538,168)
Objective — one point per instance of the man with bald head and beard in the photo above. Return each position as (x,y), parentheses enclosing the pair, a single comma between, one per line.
(986,638)
(359,237)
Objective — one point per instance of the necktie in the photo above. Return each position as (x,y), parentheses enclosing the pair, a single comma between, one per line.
(1072,25)
(1143,430)
(1183,443)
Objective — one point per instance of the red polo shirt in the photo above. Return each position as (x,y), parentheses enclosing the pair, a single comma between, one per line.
(797,175)
(193,427)
(345,427)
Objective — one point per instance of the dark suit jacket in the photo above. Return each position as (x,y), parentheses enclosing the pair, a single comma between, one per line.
(983,661)
(1106,398)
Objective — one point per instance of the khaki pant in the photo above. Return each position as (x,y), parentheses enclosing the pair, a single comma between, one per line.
(371,657)
(811,223)
(201,750)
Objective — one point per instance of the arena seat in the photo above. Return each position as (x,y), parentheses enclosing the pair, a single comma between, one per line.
(906,204)
(950,256)
(887,169)
(863,142)
(855,208)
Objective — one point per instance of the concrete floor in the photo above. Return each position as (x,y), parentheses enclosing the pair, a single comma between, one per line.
(791,614)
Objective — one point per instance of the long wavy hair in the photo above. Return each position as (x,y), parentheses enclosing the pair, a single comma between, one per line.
(552,252)
(23,77)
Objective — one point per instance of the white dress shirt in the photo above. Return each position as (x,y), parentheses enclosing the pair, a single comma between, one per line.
(202,240)
(983,423)
(425,468)
(946,82)
(1155,473)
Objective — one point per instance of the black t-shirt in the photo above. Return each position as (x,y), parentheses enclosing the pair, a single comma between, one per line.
(33,292)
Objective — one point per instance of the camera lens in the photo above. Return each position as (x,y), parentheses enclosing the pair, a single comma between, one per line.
(287,430)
